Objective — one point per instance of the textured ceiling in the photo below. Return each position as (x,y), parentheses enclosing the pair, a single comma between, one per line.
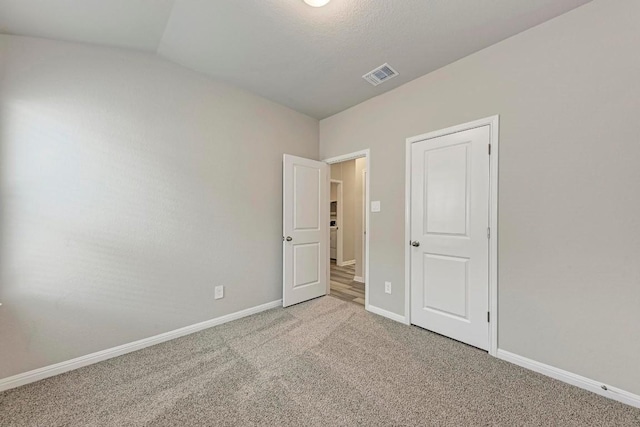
(310,59)
(137,24)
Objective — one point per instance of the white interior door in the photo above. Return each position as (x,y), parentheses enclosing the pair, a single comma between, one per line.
(305,229)
(449,233)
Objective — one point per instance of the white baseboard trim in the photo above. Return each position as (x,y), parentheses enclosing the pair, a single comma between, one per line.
(350,262)
(358,279)
(384,313)
(89,359)
(571,378)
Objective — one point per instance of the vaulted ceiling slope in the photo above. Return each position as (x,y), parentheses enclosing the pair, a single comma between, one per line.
(310,59)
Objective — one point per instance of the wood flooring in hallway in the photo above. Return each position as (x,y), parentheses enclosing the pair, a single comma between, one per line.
(343,286)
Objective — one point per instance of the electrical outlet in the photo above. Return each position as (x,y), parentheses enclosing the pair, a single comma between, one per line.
(219,292)
(387,287)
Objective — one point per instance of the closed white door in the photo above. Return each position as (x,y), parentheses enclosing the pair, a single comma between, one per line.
(449,235)
(305,229)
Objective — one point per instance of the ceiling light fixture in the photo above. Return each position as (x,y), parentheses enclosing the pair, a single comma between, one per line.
(316,3)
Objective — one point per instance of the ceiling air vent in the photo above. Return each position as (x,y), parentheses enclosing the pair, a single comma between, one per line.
(380,75)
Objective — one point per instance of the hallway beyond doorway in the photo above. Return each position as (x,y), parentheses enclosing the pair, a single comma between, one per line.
(343,286)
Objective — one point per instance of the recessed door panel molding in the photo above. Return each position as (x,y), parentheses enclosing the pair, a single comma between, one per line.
(446,189)
(446,285)
(305,238)
(449,220)
(306,261)
(306,198)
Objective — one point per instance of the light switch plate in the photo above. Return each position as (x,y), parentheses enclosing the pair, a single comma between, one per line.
(375,206)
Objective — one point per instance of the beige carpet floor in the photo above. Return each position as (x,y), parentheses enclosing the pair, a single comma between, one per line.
(326,362)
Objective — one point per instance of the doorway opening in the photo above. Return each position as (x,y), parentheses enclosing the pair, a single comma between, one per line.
(307,224)
(348,226)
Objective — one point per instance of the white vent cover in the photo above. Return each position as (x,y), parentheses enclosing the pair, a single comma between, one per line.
(380,74)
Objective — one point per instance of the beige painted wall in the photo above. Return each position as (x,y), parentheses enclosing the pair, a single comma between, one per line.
(350,173)
(128,189)
(345,172)
(360,165)
(568,95)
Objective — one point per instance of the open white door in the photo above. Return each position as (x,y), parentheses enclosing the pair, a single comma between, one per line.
(305,229)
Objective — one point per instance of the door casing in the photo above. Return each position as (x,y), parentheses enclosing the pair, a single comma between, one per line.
(364,221)
(494,124)
(343,158)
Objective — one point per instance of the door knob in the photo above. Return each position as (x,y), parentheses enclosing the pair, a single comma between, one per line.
(289,238)
(415,243)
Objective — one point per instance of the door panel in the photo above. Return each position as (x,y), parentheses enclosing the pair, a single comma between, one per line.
(446,285)
(305,229)
(449,219)
(306,203)
(306,262)
(446,195)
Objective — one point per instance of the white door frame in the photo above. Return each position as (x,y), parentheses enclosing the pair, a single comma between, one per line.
(364,221)
(339,234)
(494,124)
(366,154)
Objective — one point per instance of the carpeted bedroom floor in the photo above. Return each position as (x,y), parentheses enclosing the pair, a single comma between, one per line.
(325,362)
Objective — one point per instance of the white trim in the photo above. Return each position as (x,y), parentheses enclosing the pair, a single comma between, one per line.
(389,315)
(90,359)
(352,156)
(407,232)
(494,124)
(364,224)
(367,224)
(358,279)
(493,241)
(347,157)
(349,262)
(571,378)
